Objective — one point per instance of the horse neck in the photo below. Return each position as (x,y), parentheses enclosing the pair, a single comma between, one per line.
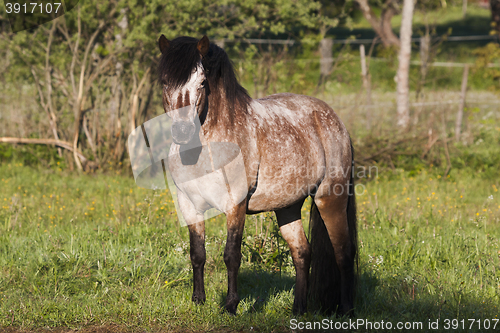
(223,117)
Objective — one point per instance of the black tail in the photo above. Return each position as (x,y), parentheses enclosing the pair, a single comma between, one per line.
(324,280)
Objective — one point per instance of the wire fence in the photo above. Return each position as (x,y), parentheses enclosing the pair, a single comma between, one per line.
(354,41)
(330,60)
(415,104)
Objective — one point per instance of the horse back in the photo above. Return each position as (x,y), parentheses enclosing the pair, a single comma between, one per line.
(300,141)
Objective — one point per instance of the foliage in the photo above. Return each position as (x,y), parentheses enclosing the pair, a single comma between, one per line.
(93,249)
(268,250)
(487,55)
(100,56)
(477,153)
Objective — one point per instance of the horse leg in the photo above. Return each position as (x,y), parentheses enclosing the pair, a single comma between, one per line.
(197,246)
(332,208)
(198,257)
(232,253)
(290,223)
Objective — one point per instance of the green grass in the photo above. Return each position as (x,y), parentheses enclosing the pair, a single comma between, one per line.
(80,251)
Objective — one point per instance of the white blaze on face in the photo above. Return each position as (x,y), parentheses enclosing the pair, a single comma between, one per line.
(187,95)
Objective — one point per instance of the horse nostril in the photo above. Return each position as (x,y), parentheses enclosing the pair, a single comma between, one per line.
(182,127)
(182,131)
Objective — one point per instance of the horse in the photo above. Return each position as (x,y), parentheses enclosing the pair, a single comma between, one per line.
(291,147)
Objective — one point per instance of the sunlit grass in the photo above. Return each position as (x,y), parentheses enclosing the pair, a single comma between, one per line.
(95,250)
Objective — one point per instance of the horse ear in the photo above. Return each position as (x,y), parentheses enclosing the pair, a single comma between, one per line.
(203,46)
(163,43)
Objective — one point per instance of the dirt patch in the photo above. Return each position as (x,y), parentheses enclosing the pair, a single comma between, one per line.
(90,329)
(104,329)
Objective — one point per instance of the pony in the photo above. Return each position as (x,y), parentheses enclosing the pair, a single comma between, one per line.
(291,147)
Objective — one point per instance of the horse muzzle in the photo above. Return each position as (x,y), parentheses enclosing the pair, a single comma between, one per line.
(182,132)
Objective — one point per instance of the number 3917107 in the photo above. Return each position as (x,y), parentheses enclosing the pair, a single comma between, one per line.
(32,7)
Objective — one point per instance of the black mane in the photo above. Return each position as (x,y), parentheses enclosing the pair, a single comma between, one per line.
(181,57)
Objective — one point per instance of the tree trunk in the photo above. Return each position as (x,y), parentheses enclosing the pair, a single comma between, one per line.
(495,14)
(325,49)
(403,90)
(385,22)
(381,26)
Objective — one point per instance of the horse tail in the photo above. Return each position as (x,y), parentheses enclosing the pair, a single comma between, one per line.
(324,280)
(352,224)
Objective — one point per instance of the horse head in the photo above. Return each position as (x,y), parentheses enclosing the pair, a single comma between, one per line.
(184,84)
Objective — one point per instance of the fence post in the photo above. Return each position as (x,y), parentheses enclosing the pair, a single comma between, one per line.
(460,113)
(425,42)
(366,85)
(220,43)
(326,61)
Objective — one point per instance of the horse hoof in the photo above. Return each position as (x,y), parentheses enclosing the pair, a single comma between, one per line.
(198,299)
(231,306)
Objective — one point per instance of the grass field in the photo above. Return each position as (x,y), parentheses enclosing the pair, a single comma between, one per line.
(92,250)
(96,253)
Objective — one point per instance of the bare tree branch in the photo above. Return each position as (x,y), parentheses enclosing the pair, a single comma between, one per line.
(59,143)
(77,108)
(382,25)
(135,100)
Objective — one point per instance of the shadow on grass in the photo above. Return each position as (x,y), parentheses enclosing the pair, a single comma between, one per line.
(260,285)
(396,300)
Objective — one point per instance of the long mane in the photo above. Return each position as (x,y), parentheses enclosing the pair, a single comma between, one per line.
(180,59)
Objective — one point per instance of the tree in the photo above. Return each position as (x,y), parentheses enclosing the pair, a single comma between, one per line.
(382,24)
(74,61)
(495,14)
(403,90)
(93,68)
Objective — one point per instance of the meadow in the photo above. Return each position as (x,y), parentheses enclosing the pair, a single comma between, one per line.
(95,251)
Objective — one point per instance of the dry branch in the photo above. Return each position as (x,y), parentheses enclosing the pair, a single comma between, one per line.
(428,147)
(135,98)
(391,147)
(59,143)
(382,25)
